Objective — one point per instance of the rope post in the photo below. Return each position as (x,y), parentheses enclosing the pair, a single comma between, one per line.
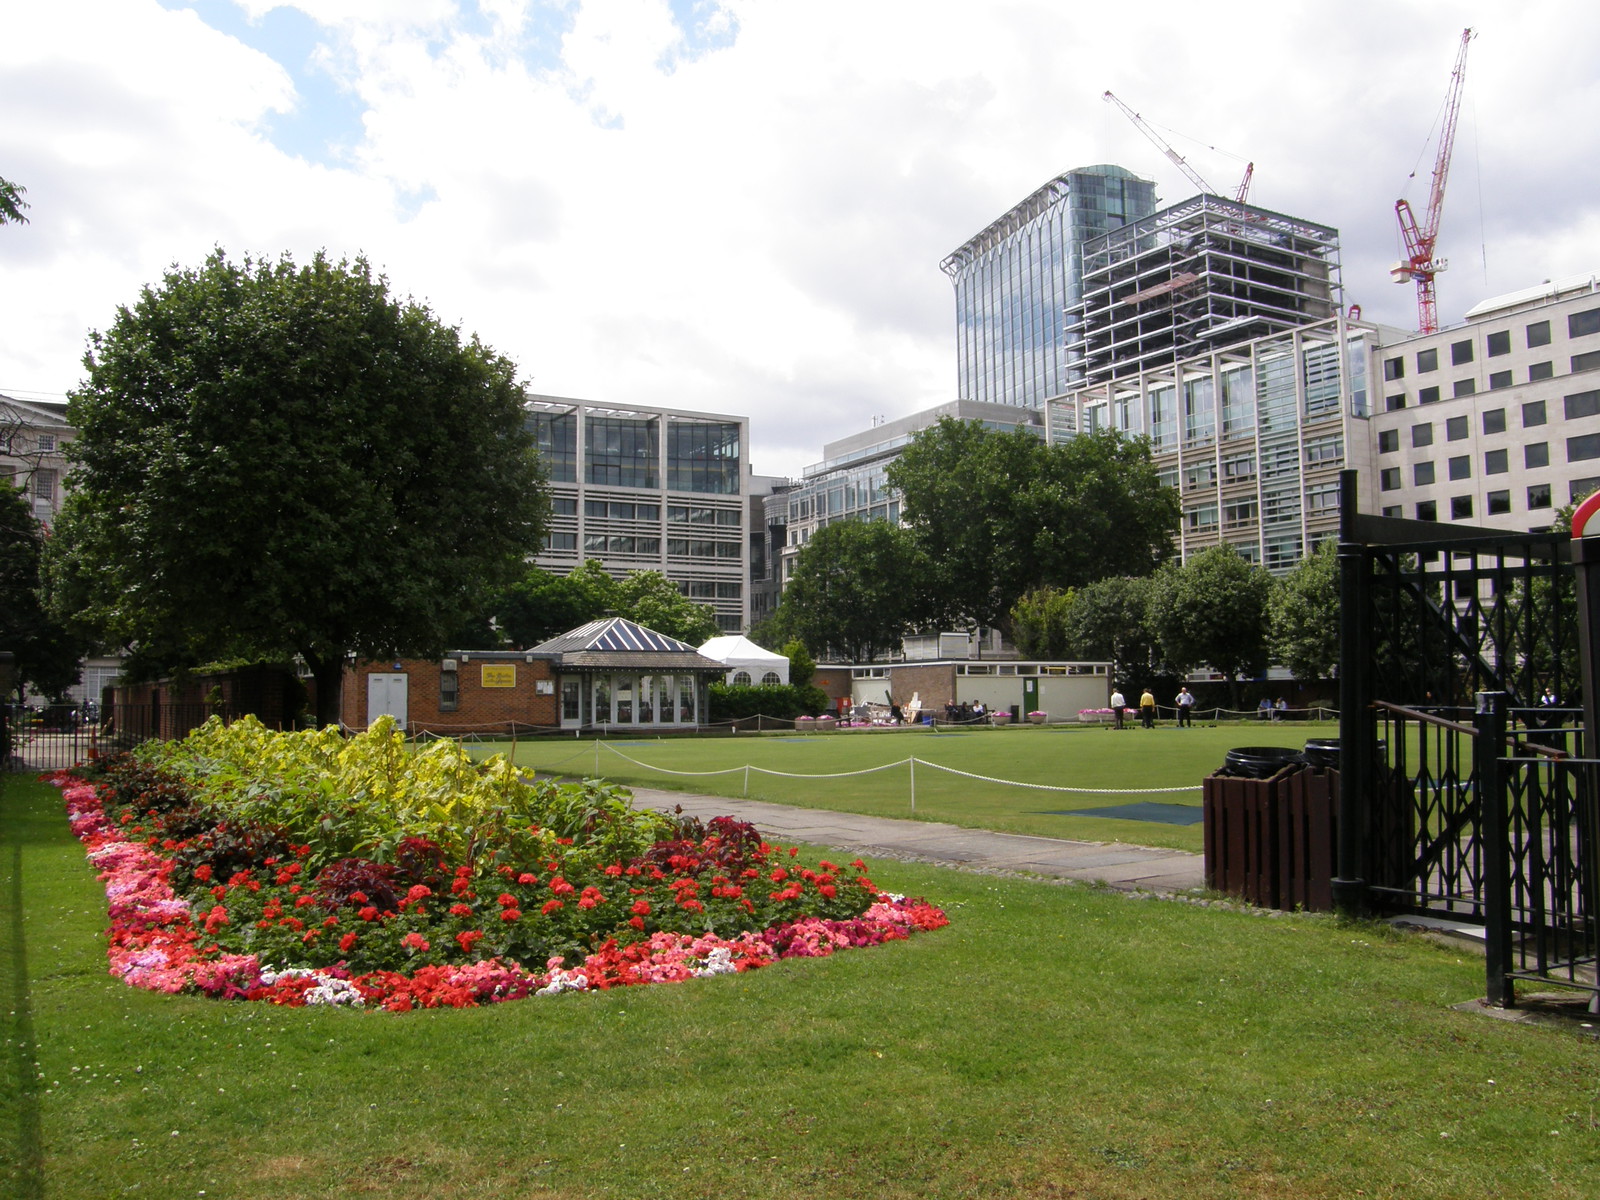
(597,758)
(747,781)
(913,763)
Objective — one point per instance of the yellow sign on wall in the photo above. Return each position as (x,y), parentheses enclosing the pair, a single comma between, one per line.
(497,675)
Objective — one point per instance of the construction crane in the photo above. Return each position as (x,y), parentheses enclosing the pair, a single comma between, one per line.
(1420,264)
(1178,160)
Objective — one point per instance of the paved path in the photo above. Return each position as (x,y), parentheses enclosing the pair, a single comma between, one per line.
(1116,864)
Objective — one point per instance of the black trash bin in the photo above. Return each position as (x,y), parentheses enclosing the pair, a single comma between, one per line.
(1258,762)
(1323,753)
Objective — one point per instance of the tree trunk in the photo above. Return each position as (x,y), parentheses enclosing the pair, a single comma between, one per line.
(328,671)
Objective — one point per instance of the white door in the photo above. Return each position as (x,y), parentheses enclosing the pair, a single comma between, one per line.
(386,694)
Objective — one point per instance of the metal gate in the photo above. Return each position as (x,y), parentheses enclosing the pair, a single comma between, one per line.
(1464,795)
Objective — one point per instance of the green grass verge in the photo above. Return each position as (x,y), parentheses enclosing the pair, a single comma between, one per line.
(1110,767)
(1053,1042)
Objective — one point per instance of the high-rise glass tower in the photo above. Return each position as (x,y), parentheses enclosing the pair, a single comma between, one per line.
(1016,279)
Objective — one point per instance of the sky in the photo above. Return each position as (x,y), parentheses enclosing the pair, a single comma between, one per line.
(740,206)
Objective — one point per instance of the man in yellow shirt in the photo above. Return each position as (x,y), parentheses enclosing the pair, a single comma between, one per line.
(1147,709)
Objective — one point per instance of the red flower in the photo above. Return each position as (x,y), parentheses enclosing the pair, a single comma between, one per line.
(636,922)
(527,877)
(513,914)
(642,907)
(614,869)
(347,943)
(414,941)
(369,913)
(828,890)
(203,872)
(419,891)
(506,900)
(468,938)
(549,907)
(460,885)
(461,910)
(358,897)
(305,901)
(216,918)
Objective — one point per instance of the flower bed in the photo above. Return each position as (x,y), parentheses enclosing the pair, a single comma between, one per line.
(403,894)
(1094,716)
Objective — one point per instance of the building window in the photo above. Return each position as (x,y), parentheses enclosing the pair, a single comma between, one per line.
(556,435)
(1533,413)
(1422,435)
(1497,503)
(1324,497)
(1326,449)
(1464,387)
(1461,467)
(1391,510)
(703,456)
(1427,360)
(1538,334)
(1422,474)
(1494,420)
(1389,479)
(1582,489)
(1586,362)
(1455,428)
(1581,324)
(1427,510)
(622,452)
(1538,371)
(1583,447)
(1388,441)
(1428,395)
(1460,352)
(1499,343)
(1392,403)
(1539,495)
(449,690)
(1536,454)
(1498,380)
(1582,404)
(1460,508)
(1495,462)
(561,541)
(1394,368)
(1239,512)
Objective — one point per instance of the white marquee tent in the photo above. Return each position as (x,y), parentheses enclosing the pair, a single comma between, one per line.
(744,657)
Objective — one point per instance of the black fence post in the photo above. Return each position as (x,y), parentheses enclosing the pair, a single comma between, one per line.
(1355,722)
(1494,814)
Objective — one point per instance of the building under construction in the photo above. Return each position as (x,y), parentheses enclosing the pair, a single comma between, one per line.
(1193,278)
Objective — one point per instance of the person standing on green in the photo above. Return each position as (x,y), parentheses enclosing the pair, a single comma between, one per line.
(1147,709)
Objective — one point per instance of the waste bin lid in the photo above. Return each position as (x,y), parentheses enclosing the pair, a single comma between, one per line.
(1258,762)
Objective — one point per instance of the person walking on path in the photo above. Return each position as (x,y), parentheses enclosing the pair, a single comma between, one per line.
(1147,709)
(1118,704)
(1185,702)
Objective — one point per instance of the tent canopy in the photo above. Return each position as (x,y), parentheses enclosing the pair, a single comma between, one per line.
(740,654)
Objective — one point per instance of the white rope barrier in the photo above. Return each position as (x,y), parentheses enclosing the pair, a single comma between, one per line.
(912,763)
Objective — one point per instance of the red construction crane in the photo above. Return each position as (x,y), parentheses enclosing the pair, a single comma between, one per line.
(1420,264)
(1178,160)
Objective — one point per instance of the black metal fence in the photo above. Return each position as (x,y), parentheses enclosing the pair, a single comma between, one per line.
(56,737)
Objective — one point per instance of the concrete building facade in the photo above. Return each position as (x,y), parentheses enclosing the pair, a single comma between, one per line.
(650,489)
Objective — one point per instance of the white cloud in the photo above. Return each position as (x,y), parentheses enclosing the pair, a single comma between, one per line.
(747,215)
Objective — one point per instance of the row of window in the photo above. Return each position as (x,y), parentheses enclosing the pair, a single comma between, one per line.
(1498,502)
(1497,343)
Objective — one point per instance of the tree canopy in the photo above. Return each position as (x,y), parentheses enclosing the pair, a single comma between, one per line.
(1304,615)
(47,656)
(1109,620)
(12,203)
(998,514)
(853,590)
(278,459)
(1212,610)
(543,604)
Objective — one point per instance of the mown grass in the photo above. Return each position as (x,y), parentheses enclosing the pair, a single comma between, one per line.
(1054,1041)
(1107,767)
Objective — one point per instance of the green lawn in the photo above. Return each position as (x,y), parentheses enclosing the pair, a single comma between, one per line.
(1054,1041)
(1111,767)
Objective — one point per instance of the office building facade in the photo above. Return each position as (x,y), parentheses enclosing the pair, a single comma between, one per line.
(1016,281)
(649,489)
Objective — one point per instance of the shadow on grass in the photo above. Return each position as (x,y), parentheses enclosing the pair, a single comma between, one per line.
(23,1158)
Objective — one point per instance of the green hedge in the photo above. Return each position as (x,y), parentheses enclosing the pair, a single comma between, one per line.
(729,702)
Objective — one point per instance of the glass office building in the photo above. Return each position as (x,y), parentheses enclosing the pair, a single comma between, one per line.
(649,489)
(1016,279)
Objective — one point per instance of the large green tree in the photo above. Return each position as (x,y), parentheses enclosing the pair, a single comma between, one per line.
(1304,615)
(998,514)
(47,656)
(1213,610)
(1109,621)
(1038,623)
(543,604)
(282,459)
(853,588)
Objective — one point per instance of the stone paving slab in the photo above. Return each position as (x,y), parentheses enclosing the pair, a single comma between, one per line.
(1116,864)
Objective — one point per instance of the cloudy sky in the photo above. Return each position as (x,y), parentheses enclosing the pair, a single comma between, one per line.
(740,206)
